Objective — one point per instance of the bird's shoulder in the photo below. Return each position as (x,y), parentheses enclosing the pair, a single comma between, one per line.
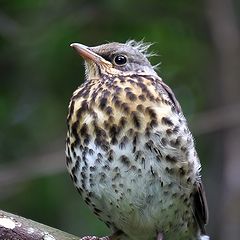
(148,88)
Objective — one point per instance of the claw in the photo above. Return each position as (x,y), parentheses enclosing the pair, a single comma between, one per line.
(95,238)
(115,236)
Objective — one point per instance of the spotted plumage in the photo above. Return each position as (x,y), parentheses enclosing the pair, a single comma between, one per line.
(129,151)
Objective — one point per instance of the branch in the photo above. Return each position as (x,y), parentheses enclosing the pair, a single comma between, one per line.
(16,227)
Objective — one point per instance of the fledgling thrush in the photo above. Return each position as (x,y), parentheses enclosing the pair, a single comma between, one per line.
(129,150)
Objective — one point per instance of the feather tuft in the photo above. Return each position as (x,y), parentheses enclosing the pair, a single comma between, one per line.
(142,47)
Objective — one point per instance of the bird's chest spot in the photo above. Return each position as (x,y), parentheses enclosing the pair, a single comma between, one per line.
(134,169)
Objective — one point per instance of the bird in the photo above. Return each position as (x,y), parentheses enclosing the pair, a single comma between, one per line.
(129,150)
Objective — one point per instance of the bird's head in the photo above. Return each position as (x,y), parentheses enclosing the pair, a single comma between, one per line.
(116,59)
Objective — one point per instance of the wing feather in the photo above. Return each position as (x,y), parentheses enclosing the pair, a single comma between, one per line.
(200,207)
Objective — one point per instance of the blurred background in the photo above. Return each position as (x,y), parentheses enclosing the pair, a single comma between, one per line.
(198,43)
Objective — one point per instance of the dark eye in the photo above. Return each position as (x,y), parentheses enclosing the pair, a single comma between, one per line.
(120,60)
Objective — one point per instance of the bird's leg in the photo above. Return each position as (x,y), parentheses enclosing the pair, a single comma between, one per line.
(160,236)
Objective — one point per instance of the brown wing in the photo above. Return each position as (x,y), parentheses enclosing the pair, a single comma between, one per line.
(200,202)
(171,96)
(200,207)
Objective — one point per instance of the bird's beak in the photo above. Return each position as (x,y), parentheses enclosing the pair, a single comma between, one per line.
(88,54)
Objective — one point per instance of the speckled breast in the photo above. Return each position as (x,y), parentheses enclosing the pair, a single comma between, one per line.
(131,155)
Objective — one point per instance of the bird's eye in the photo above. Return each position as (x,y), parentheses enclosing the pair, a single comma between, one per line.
(120,60)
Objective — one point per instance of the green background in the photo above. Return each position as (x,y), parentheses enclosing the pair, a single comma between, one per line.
(39,72)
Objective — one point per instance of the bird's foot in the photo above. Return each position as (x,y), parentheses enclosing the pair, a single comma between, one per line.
(160,236)
(117,235)
(95,238)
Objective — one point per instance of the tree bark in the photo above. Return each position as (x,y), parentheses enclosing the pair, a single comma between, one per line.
(18,228)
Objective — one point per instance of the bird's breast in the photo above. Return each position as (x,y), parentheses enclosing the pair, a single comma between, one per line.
(131,115)
(130,152)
